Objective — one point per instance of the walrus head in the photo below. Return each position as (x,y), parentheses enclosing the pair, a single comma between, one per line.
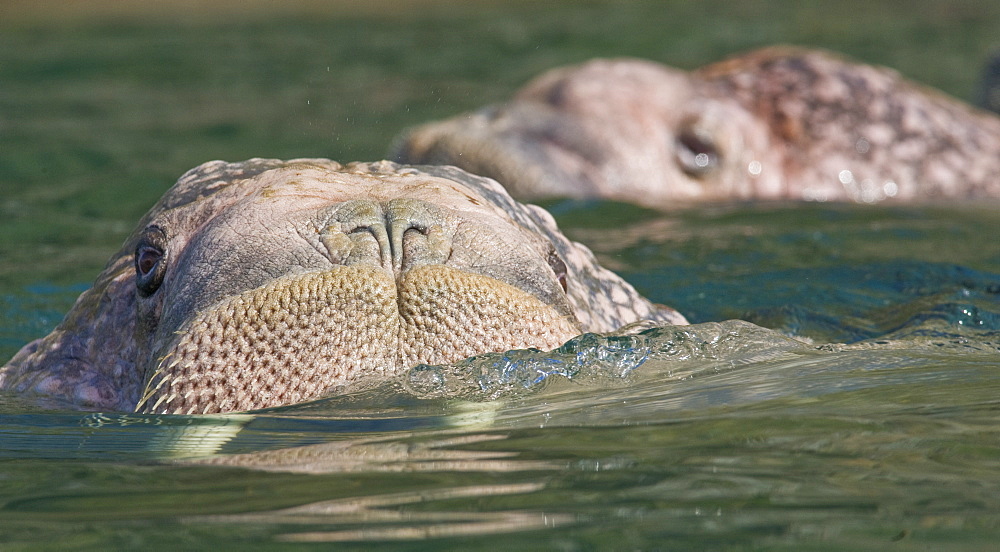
(267,283)
(358,275)
(626,129)
(779,123)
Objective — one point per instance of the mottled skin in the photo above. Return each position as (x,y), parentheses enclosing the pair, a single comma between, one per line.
(265,283)
(778,123)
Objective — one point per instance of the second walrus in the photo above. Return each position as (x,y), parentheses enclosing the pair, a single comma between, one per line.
(777,123)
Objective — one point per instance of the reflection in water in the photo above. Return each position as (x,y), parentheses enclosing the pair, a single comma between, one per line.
(191,438)
(373,513)
(725,434)
(379,516)
(877,423)
(726,429)
(381,455)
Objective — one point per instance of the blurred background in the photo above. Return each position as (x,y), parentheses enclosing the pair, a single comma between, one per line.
(103,104)
(889,443)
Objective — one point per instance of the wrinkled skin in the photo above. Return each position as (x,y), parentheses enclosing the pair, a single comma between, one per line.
(779,123)
(266,283)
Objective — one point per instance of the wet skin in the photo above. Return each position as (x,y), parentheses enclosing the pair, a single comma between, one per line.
(266,283)
(775,124)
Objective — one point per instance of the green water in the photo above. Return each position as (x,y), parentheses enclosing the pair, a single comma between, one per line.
(716,438)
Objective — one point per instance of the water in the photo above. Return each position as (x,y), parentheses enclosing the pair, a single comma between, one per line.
(863,418)
(718,435)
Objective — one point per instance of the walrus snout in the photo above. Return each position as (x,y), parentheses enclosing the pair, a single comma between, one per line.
(357,277)
(396,235)
(557,161)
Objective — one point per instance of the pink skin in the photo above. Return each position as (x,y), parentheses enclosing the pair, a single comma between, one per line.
(214,291)
(778,123)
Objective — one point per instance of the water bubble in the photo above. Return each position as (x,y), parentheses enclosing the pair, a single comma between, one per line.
(594,358)
(426,379)
(869,192)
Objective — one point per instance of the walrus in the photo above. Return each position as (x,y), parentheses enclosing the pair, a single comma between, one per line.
(267,282)
(779,123)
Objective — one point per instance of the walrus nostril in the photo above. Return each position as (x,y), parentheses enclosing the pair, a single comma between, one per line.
(396,236)
(424,245)
(416,233)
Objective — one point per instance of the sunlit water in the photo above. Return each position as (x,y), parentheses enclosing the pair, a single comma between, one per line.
(866,418)
(863,418)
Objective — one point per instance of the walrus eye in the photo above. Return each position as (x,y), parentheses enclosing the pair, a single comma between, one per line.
(558,267)
(149,263)
(696,153)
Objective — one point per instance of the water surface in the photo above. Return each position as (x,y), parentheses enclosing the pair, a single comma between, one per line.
(864,417)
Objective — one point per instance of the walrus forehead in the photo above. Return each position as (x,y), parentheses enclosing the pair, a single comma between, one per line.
(306,184)
(299,336)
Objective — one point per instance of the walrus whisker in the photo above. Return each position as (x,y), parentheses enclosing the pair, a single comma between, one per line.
(160,401)
(149,391)
(142,401)
(164,379)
